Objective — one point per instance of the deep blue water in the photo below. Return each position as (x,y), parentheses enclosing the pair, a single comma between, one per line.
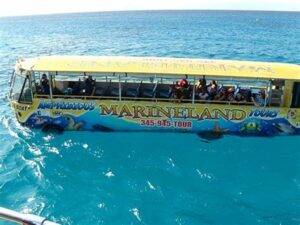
(149,178)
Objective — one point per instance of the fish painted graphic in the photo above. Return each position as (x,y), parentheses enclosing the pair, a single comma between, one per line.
(251,127)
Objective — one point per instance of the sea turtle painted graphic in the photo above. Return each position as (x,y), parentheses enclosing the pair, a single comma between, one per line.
(216,133)
(251,127)
(72,124)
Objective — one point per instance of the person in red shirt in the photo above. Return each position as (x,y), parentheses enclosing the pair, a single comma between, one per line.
(183,83)
(181,89)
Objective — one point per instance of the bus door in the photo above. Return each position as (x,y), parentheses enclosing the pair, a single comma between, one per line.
(296,95)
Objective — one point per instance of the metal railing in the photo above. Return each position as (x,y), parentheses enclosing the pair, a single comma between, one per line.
(25,219)
(154,99)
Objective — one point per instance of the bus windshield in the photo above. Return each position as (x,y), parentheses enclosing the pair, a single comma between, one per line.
(20,89)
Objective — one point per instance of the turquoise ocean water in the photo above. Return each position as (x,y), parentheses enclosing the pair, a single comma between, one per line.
(149,178)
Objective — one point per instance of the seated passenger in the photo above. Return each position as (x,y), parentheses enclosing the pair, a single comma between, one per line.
(176,90)
(45,88)
(212,89)
(81,86)
(183,83)
(230,94)
(185,88)
(221,95)
(89,85)
(248,95)
(243,95)
(239,97)
(203,95)
(259,100)
(181,89)
(200,86)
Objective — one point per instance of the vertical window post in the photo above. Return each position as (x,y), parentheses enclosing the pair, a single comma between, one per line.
(31,75)
(50,85)
(193,97)
(35,84)
(269,94)
(22,89)
(120,88)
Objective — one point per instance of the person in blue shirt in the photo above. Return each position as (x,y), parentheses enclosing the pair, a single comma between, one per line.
(259,100)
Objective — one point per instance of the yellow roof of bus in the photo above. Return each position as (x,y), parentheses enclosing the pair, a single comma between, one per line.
(161,66)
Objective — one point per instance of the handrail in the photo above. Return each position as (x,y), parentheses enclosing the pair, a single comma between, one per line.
(146,99)
(26,219)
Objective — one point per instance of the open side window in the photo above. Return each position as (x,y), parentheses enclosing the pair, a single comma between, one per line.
(296,96)
(276,91)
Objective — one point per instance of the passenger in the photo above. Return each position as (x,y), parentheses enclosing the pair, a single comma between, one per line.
(230,94)
(45,85)
(181,89)
(203,95)
(183,83)
(176,90)
(248,95)
(239,97)
(259,100)
(244,95)
(89,85)
(201,85)
(221,95)
(81,86)
(212,89)
(213,84)
(185,87)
